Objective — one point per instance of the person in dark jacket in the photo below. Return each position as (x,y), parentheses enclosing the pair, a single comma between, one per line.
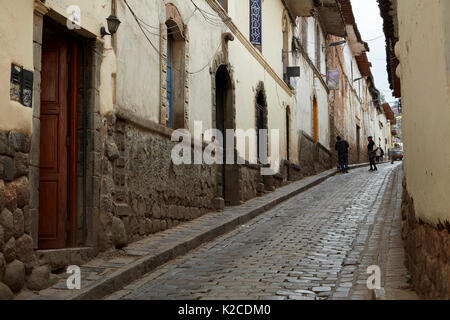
(372,151)
(342,150)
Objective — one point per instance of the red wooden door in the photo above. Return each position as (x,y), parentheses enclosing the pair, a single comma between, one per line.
(53,146)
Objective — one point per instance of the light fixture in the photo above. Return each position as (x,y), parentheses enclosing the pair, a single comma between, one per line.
(358,79)
(334,44)
(113,25)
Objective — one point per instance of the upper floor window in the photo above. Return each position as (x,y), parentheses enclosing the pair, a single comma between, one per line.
(175,74)
(256,24)
(285,52)
(224,4)
(305,34)
(318,48)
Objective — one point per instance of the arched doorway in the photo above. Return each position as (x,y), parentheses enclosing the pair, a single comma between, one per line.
(261,121)
(224,119)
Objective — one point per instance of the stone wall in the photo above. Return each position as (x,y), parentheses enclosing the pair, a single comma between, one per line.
(313,158)
(142,192)
(427,252)
(19,266)
(250,176)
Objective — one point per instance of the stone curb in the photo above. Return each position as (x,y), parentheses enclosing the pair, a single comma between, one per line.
(133,271)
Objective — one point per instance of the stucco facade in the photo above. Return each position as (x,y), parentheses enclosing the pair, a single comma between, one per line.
(355,107)
(418,41)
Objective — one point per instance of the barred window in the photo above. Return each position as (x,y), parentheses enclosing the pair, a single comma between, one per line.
(318,56)
(305,34)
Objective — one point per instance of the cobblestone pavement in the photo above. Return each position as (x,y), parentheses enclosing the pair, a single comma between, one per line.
(316,245)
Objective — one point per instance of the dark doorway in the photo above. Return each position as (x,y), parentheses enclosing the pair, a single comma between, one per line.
(261,125)
(358,143)
(224,120)
(58,140)
(288,141)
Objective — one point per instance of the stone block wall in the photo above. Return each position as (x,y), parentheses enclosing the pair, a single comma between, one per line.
(427,252)
(250,179)
(142,191)
(313,158)
(19,266)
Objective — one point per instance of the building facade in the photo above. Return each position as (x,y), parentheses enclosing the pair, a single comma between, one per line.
(90,121)
(355,106)
(418,48)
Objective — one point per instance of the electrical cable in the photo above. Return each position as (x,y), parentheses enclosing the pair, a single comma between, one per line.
(138,21)
(374,38)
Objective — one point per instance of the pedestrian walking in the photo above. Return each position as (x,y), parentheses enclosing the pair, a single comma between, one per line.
(378,155)
(372,149)
(342,147)
(382,155)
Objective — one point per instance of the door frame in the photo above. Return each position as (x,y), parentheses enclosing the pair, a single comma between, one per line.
(72,159)
(69,220)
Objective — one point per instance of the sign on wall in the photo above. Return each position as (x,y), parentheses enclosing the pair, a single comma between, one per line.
(255,23)
(333,79)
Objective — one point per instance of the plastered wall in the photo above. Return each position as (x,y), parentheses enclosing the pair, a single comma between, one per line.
(16,43)
(424,55)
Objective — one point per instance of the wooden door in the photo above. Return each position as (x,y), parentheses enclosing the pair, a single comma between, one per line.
(221,88)
(358,143)
(53,145)
(315,122)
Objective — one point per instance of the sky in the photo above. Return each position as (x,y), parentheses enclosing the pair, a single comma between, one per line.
(370,25)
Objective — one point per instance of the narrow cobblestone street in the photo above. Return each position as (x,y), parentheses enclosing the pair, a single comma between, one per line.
(316,245)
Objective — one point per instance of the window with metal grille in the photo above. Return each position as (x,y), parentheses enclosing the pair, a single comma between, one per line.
(285,51)
(305,34)
(317,42)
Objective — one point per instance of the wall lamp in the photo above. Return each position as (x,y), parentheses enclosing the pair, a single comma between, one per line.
(358,79)
(335,44)
(113,25)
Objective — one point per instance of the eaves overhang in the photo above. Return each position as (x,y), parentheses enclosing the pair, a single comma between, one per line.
(331,17)
(389,113)
(300,8)
(329,12)
(388,11)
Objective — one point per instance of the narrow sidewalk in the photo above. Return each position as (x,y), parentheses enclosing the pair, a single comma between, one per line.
(103,276)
